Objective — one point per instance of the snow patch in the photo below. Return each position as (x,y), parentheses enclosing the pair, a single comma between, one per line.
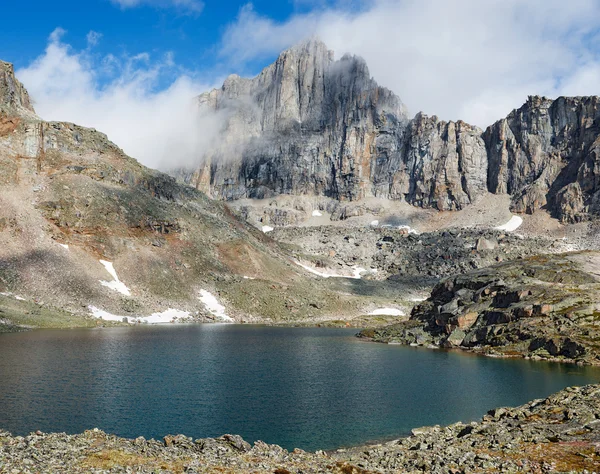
(408,229)
(316,213)
(11,295)
(374,223)
(101,314)
(513,224)
(64,246)
(213,305)
(357,271)
(267,228)
(249,278)
(168,316)
(417,299)
(387,312)
(116,284)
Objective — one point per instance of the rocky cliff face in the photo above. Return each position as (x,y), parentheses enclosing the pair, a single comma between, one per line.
(545,154)
(13,96)
(315,126)
(310,125)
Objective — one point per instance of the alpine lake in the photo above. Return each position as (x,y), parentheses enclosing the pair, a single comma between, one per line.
(311,388)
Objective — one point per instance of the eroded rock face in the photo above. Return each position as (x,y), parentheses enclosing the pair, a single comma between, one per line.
(13,96)
(310,125)
(545,154)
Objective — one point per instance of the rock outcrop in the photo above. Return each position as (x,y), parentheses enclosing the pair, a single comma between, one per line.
(14,98)
(538,307)
(310,125)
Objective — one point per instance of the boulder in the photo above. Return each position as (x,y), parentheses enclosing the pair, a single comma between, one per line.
(486,244)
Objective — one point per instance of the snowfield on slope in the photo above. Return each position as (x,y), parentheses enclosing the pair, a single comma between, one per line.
(168,316)
(387,312)
(213,306)
(116,284)
(355,276)
(513,224)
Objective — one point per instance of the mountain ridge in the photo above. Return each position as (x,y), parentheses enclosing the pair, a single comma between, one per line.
(311,125)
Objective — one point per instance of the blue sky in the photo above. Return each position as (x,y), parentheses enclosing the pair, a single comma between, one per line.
(132,67)
(192,34)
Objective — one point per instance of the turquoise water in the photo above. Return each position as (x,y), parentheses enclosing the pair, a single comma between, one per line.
(311,388)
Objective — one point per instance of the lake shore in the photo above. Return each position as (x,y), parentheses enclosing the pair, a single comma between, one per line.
(558,434)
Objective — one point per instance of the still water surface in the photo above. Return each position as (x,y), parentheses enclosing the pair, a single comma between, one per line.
(298,387)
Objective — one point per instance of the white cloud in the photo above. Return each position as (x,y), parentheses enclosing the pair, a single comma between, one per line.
(159,126)
(468,59)
(93,38)
(190,6)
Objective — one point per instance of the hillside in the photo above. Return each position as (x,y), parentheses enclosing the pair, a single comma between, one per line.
(86,230)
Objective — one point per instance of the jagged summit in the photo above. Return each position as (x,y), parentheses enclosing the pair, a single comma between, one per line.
(303,86)
(312,125)
(305,125)
(14,98)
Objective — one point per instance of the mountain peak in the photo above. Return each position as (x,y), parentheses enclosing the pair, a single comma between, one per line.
(14,98)
(312,47)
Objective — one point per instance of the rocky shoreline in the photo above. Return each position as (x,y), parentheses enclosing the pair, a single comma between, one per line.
(558,434)
(542,307)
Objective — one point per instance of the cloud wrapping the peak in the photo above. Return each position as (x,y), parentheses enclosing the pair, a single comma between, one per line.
(122,97)
(466,59)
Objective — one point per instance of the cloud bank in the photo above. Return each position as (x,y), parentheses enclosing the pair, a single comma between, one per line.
(161,127)
(467,59)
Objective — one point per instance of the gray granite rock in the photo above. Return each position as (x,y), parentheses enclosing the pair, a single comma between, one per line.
(311,125)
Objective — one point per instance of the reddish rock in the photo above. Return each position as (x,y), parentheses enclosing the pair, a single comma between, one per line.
(465,321)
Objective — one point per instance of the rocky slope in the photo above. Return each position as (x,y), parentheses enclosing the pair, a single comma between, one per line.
(539,307)
(396,253)
(85,228)
(311,125)
(557,434)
